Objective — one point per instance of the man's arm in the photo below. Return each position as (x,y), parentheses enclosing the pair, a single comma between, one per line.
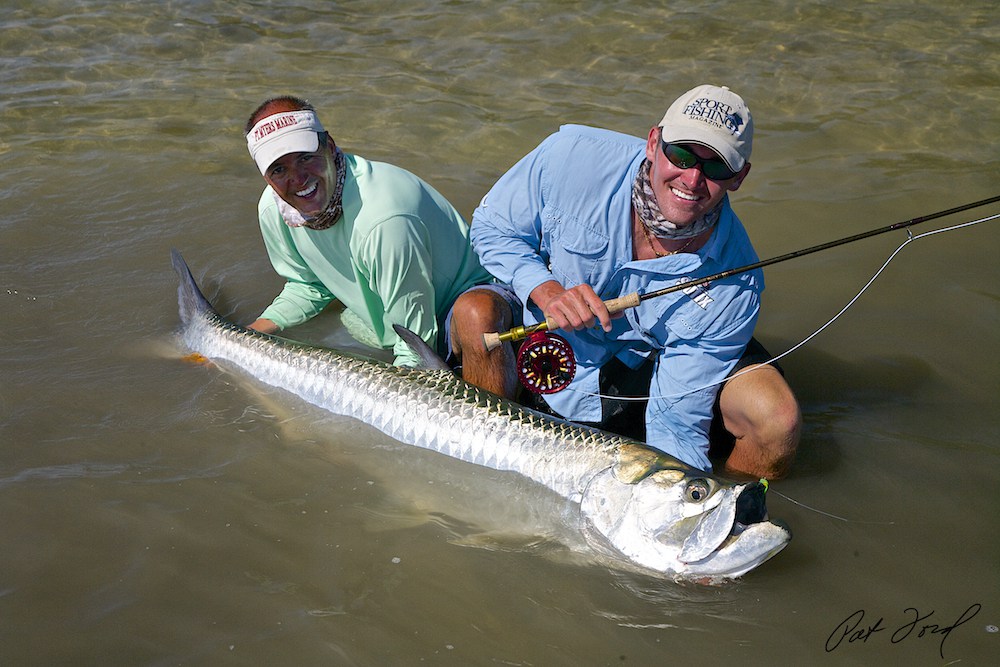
(508,235)
(397,258)
(507,231)
(303,295)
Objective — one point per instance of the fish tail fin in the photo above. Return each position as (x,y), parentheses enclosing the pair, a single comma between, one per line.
(190,300)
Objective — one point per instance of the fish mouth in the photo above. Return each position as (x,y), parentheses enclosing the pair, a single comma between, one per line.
(751,506)
(746,547)
(736,536)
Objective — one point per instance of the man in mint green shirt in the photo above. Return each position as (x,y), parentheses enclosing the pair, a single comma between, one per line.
(369,234)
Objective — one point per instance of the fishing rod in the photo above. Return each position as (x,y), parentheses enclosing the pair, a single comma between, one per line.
(557,358)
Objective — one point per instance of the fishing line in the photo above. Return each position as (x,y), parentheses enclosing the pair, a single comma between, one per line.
(827,514)
(910,239)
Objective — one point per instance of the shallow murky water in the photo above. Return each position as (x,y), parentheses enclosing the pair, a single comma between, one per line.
(155,513)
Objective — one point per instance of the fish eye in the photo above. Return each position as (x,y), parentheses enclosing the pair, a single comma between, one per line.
(697,490)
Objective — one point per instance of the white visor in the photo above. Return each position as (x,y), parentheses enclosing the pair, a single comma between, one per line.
(281,134)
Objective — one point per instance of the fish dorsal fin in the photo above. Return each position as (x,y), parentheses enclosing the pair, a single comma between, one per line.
(429,359)
(189,297)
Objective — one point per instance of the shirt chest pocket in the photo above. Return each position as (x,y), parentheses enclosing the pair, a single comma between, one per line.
(695,313)
(577,253)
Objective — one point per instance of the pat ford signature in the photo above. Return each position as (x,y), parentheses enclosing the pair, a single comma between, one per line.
(915,624)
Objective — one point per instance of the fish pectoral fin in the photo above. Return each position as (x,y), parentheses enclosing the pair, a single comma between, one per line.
(712,530)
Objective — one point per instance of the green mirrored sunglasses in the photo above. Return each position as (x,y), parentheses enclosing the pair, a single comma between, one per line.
(681,157)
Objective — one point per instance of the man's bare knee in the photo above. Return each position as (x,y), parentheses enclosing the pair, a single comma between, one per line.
(475,313)
(761,412)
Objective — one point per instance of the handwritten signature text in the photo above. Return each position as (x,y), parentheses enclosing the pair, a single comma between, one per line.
(856,628)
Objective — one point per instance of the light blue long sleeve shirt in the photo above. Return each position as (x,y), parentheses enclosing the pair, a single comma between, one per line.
(564,213)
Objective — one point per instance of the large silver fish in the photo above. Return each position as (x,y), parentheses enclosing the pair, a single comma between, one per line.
(654,511)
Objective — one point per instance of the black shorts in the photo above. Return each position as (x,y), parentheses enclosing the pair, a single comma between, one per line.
(628,417)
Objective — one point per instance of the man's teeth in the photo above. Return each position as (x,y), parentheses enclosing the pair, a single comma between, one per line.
(683,195)
(308,191)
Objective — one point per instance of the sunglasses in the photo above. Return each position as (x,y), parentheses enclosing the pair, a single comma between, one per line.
(680,157)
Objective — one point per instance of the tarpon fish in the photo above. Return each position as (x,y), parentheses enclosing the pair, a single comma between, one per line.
(636,502)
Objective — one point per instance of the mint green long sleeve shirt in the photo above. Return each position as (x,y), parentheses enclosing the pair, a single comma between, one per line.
(400,254)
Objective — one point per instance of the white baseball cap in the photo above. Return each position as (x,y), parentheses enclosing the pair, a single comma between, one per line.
(714,117)
(283,133)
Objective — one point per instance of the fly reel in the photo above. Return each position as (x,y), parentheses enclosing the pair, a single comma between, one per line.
(545,363)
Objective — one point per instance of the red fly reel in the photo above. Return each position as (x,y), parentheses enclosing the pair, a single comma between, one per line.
(545,363)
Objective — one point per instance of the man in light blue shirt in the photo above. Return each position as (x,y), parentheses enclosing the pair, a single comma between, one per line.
(591,215)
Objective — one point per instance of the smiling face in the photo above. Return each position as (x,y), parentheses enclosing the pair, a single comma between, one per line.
(684,195)
(305,181)
(294,153)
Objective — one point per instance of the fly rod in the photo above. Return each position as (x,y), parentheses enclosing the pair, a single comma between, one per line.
(493,340)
